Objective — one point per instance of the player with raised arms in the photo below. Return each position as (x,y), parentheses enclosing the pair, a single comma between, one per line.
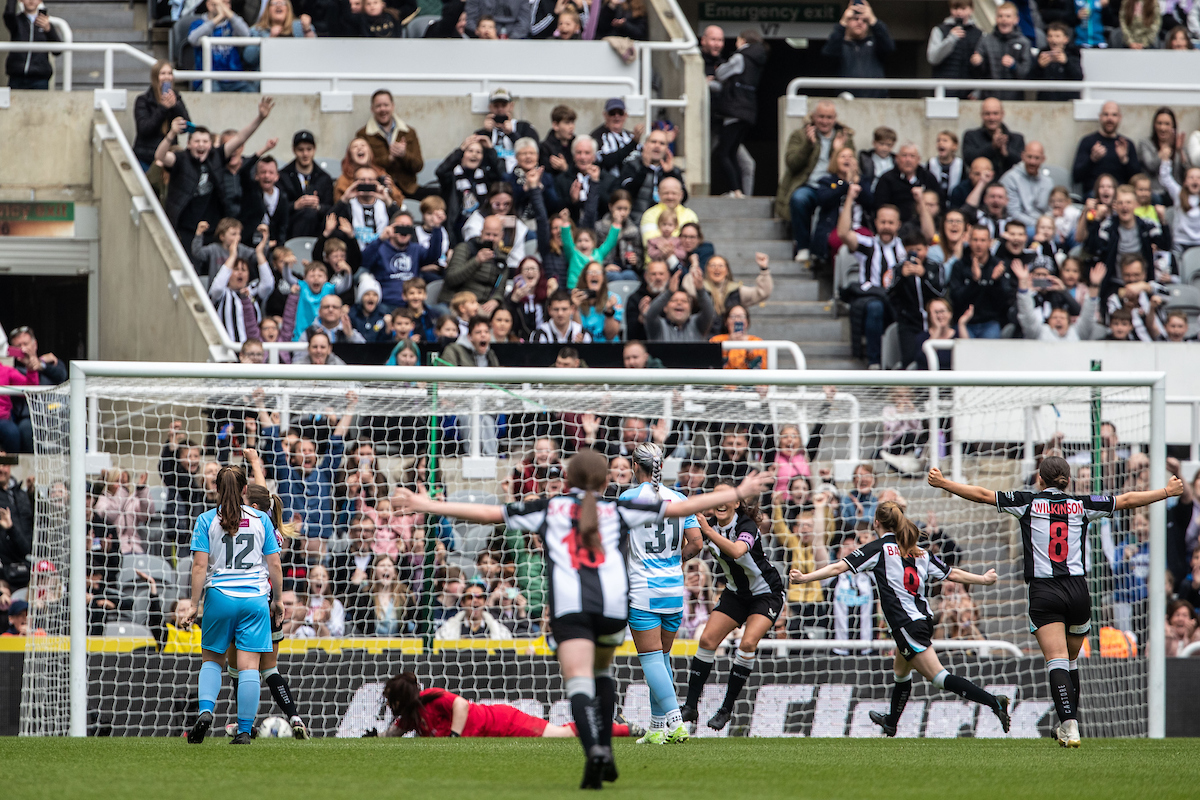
(1054,536)
(655,559)
(237,573)
(901,572)
(260,498)
(753,597)
(437,712)
(583,535)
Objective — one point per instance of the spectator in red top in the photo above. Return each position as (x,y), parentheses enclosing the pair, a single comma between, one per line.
(16,437)
(524,478)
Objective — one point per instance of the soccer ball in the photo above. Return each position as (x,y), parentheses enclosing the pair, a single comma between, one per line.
(275,728)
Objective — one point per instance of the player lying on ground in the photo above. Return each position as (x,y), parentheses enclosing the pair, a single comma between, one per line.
(237,575)
(753,597)
(583,535)
(257,496)
(436,712)
(655,561)
(1054,536)
(900,571)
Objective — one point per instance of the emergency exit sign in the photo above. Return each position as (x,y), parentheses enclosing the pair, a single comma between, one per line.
(773,20)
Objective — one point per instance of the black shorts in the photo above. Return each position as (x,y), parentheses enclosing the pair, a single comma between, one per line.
(604,631)
(739,609)
(1064,600)
(913,638)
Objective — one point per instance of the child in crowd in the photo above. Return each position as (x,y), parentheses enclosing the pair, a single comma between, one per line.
(1003,54)
(625,259)
(1059,61)
(1146,209)
(433,217)
(282,262)
(1066,217)
(402,323)
(424,318)
(1120,326)
(366,316)
(380,22)
(947,167)
(486,28)
(666,244)
(952,42)
(334,255)
(309,292)
(463,306)
(1043,238)
(1090,30)
(569,25)
(447,330)
(1177,326)
(1069,273)
(208,258)
(878,160)
(580,247)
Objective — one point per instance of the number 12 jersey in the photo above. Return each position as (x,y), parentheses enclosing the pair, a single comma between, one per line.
(235,562)
(1054,528)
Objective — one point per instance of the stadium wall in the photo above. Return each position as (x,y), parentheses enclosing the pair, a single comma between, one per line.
(1052,124)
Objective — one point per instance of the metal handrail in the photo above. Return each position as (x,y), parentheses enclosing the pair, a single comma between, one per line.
(1188,649)
(66,36)
(109,49)
(939,86)
(150,203)
(779,645)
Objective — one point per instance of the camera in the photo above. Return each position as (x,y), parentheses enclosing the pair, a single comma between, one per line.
(500,119)
(1041,283)
(368,186)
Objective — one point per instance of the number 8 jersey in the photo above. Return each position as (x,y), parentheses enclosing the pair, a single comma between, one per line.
(235,562)
(655,555)
(1054,528)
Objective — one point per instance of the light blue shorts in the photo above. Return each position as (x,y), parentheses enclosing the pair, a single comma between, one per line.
(640,620)
(245,621)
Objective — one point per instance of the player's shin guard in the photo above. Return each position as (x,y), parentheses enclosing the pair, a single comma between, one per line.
(739,673)
(279,690)
(901,691)
(1061,689)
(1076,686)
(210,685)
(606,695)
(249,686)
(964,688)
(581,691)
(702,664)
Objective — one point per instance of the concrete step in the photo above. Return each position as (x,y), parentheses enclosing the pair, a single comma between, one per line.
(96,15)
(741,251)
(744,229)
(828,362)
(788,288)
(815,349)
(809,329)
(709,208)
(138,38)
(792,309)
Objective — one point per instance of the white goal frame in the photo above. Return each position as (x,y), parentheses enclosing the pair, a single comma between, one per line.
(82,370)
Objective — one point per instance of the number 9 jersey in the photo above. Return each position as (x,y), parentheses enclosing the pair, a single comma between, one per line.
(655,555)
(1054,529)
(235,562)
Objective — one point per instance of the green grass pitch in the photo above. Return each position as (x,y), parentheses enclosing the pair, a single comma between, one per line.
(491,769)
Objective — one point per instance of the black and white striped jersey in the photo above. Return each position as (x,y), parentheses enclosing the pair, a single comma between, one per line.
(902,581)
(581,580)
(753,573)
(1054,528)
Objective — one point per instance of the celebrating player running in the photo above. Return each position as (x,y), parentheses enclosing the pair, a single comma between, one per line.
(900,571)
(1054,535)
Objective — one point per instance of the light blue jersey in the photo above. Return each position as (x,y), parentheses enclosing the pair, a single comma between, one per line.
(235,562)
(655,563)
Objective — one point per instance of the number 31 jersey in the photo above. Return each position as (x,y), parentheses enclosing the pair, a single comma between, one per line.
(1054,528)
(235,562)
(655,555)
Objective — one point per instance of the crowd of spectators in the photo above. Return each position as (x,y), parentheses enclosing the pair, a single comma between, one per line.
(985,244)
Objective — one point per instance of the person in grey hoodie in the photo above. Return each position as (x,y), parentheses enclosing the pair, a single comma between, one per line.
(1003,54)
(670,319)
(1058,327)
(1028,189)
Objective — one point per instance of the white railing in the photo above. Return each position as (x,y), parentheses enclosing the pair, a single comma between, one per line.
(788,645)
(148,202)
(773,348)
(939,86)
(1188,650)
(109,49)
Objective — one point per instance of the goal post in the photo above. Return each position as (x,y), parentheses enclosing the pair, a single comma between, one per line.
(973,421)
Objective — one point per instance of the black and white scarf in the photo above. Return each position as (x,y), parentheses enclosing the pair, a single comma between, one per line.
(368,221)
(947,176)
(470,187)
(883,257)
(232,313)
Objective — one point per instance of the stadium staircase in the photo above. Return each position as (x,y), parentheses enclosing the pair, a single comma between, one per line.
(800,309)
(110,21)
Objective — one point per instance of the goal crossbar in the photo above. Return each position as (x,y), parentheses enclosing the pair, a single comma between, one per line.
(80,371)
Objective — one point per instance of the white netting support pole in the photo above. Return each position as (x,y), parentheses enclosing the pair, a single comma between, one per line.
(1157,679)
(78,535)
(1028,462)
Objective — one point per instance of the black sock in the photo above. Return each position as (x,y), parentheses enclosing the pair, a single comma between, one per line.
(283,696)
(606,706)
(1061,691)
(697,677)
(964,688)
(583,709)
(901,690)
(1076,688)
(738,675)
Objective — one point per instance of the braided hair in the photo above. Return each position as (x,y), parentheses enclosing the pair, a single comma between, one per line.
(649,457)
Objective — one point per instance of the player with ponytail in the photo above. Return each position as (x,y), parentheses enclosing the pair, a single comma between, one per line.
(582,534)
(1054,528)
(259,497)
(901,570)
(236,573)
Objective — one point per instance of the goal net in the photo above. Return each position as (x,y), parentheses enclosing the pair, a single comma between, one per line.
(370,592)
